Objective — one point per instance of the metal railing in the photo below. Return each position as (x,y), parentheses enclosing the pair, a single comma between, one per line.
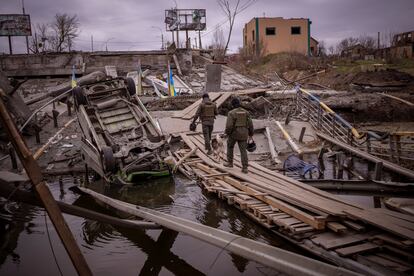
(396,147)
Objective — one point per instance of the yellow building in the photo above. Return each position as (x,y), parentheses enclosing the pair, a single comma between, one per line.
(276,34)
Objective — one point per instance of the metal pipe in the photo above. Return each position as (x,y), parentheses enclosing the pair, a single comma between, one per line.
(281,260)
(289,139)
(40,108)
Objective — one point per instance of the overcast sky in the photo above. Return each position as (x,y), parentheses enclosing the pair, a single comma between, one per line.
(132,24)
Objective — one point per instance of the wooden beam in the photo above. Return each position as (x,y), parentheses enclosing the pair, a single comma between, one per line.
(34,173)
(40,151)
(183,159)
(314,221)
(271,146)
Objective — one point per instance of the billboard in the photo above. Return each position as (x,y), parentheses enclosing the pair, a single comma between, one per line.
(15,25)
(185,19)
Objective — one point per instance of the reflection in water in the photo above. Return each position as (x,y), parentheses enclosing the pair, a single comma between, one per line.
(158,252)
(153,194)
(110,249)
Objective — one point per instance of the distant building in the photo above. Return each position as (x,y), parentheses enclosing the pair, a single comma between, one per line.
(354,52)
(270,35)
(403,45)
(314,48)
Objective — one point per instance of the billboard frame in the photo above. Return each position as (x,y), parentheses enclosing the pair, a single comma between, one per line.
(22,30)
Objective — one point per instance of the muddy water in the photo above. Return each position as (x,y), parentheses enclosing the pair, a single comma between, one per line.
(111,250)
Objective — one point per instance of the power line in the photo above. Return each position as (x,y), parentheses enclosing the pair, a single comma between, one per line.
(241,9)
(119,42)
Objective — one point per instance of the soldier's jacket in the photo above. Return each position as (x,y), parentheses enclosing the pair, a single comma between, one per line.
(207,112)
(239,125)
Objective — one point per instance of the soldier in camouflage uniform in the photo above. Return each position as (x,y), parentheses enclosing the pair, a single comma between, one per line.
(207,112)
(239,128)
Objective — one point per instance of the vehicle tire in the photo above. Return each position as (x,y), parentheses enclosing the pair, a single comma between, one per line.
(132,89)
(79,96)
(108,159)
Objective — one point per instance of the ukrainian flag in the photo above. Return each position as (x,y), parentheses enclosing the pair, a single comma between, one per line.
(171,82)
(74,82)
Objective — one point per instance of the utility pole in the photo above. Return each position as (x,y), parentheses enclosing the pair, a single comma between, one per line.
(37,45)
(92,42)
(199,40)
(178,41)
(186,34)
(379,40)
(162,36)
(10,45)
(36,178)
(27,39)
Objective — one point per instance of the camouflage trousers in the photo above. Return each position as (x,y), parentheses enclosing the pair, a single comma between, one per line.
(243,151)
(207,132)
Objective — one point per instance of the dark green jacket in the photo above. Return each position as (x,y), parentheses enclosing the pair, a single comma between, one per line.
(239,125)
(207,111)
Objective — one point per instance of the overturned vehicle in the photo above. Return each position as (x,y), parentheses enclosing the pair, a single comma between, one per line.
(120,141)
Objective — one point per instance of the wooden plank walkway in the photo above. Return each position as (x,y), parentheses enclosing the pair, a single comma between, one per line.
(218,97)
(341,231)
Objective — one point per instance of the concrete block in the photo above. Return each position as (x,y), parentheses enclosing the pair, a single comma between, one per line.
(213,77)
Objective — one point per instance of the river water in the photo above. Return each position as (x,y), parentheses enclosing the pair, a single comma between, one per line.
(111,250)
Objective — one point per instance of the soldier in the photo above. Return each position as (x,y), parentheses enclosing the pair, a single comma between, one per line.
(239,128)
(207,112)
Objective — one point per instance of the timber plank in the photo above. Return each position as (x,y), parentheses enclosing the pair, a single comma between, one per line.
(343,241)
(356,249)
(382,223)
(317,223)
(353,225)
(311,200)
(336,227)
(393,214)
(383,238)
(397,229)
(274,175)
(392,258)
(388,263)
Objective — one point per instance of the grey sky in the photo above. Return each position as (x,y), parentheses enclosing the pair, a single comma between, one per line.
(127,24)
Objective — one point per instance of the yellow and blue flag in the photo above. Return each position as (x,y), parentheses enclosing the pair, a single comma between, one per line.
(171,88)
(74,82)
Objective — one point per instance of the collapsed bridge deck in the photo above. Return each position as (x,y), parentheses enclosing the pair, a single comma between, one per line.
(366,240)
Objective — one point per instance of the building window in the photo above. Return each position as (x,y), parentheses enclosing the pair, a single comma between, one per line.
(270,31)
(253,35)
(295,30)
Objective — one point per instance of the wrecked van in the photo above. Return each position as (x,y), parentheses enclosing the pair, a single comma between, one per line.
(120,140)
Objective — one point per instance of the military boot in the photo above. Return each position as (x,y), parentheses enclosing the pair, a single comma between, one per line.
(245,170)
(228,164)
(209,152)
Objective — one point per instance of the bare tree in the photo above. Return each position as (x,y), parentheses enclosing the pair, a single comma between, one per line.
(331,50)
(218,44)
(65,29)
(367,41)
(57,36)
(39,42)
(231,11)
(346,43)
(322,51)
(387,38)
